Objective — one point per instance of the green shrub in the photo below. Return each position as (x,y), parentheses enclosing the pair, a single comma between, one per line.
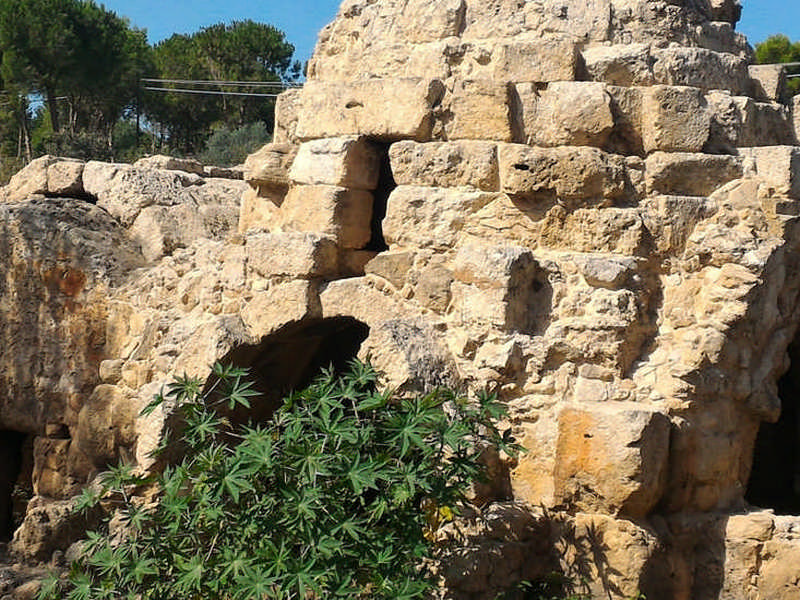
(229,147)
(338,496)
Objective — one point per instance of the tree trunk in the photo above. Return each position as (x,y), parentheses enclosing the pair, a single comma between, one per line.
(53,108)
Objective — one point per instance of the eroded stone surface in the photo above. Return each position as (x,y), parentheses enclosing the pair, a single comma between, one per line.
(590,207)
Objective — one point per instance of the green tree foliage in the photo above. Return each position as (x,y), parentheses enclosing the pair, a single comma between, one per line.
(777,49)
(247,51)
(339,496)
(228,147)
(76,51)
(240,51)
(184,120)
(780,49)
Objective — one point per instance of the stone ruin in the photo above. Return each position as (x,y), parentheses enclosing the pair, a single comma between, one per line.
(590,206)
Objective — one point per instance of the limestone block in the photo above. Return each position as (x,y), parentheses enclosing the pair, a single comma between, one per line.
(160,161)
(111,370)
(410,355)
(701,68)
(136,373)
(605,271)
(281,305)
(611,458)
(620,64)
(49,175)
(627,108)
(690,174)
(674,119)
(500,286)
(211,211)
(536,60)
(423,21)
(617,558)
(446,164)
(64,177)
(269,166)
(350,162)
(778,167)
(301,255)
(352,263)
(31,179)
(341,213)
(768,82)
(424,217)
(726,10)
(392,266)
(124,190)
(260,208)
(569,174)
(572,113)
(796,118)
(106,423)
(50,477)
(387,109)
(49,525)
(433,287)
(235,172)
(159,230)
(524,222)
(739,121)
(526,101)
(359,298)
(779,573)
(480,110)
(671,219)
(287,108)
(765,124)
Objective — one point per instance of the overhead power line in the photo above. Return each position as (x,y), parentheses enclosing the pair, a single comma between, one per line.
(212,92)
(206,82)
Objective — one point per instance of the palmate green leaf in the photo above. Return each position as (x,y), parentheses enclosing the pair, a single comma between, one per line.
(237,481)
(203,428)
(190,573)
(229,371)
(50,587)
(234,563)
(362,474)
(238,392)
(81,587)
(326,499)
(88,499)
(143,568)
(107,561)
(184,389)
(255,583)
(151,406)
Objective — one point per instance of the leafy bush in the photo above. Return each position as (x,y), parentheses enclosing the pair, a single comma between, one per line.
(228,147)
(339,496)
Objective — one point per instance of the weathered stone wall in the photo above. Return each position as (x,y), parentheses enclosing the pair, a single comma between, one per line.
(590,206)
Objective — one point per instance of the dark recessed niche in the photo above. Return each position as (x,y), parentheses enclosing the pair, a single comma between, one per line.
(386,185)
(16,468)
(291,358)
(775,475)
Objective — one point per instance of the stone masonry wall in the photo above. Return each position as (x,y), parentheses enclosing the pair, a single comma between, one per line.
(590,206)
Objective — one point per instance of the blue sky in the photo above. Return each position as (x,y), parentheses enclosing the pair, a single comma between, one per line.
(301,20)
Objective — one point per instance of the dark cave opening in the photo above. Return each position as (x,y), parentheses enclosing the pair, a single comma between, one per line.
(290,359)
(386,185)
(775,475)
(16,469)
